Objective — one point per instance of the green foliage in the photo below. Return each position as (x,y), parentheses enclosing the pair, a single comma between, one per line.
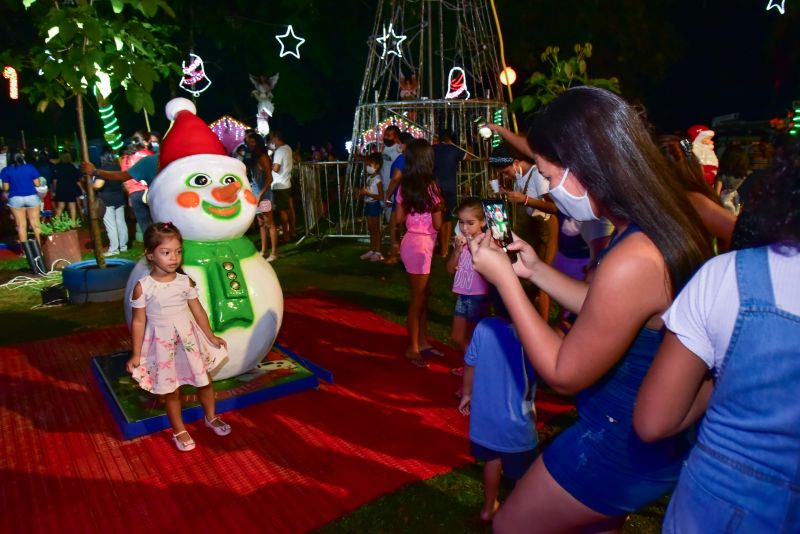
(82,40)
(62,223)
(543,87)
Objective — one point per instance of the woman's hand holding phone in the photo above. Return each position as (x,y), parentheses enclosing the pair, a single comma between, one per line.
(528,259)
(489,259)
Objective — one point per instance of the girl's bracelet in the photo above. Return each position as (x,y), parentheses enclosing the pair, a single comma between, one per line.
(526,200)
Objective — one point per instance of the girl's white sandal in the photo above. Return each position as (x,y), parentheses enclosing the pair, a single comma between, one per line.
(222,429)
(183,446)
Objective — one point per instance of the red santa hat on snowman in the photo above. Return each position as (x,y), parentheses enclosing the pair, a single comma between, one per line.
(188,135)
(703,148)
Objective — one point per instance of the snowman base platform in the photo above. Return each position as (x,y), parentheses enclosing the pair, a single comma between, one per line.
(139,413)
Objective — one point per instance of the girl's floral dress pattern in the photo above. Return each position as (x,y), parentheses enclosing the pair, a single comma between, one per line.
(174,351)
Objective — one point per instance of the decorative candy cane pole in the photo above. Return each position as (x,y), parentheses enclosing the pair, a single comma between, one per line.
(10,74)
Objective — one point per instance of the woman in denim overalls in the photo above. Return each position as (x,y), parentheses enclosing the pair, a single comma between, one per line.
(744,473)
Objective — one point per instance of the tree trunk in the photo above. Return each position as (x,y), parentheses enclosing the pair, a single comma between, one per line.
(94,222)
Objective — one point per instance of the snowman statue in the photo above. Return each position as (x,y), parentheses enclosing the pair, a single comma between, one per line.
(205,193)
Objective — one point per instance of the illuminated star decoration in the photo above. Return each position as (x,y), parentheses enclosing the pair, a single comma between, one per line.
(194,74)
(458,83)
(394,39)
(780,5)
(298,41)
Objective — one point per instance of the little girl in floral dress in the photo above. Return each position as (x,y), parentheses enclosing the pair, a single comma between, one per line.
(172,340)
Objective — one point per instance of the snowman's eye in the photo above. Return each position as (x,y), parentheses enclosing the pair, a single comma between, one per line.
(229,179)
(198,180)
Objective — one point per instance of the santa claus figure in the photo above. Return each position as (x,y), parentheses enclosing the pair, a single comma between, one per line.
(702,138)
(206,194)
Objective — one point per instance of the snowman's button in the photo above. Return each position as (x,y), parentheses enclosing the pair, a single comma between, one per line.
(235,285)
(231,275)
(228,266)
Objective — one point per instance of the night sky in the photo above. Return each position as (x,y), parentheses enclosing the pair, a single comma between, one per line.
(685,61)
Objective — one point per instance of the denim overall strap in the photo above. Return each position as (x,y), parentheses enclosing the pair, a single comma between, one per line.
(744,473)
(753,279)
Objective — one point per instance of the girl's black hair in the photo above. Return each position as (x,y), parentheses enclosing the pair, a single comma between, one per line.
(604,142)
(157,233)
(771,213)
(261,146)
(374,157)
(139,141)
(418,183)
(688,169)
(735,162)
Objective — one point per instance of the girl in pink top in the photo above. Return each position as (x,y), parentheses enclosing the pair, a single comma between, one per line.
(419,206)
(472,303)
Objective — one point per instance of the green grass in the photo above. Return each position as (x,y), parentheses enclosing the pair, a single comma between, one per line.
(447,503)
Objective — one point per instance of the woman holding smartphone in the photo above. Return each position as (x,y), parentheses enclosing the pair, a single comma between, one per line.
(600,161)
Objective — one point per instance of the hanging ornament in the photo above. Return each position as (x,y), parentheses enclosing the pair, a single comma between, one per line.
(194,78)
(298,42)
(391,42)
(263,93)
(780,5)
(458,83)
(10,74)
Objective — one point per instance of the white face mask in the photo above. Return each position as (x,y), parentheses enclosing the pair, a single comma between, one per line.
(371,169)
(579,208)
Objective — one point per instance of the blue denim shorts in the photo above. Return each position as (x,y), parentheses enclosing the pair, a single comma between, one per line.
(372,209)
(514,463)
(29,201)
(472,307)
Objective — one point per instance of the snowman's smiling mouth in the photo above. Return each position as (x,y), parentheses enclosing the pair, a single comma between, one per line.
(223,212)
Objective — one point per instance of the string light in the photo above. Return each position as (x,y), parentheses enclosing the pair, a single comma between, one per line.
(458,83)
(397,40)
(193,74)
(298,41)
(497,118)
(780,5)
(10,74)
(373,135)
(111,127)
(229,131)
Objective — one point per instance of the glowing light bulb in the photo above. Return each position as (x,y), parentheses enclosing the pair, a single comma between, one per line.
(508,76)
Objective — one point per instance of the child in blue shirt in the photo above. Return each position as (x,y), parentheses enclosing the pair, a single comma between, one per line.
(498,396)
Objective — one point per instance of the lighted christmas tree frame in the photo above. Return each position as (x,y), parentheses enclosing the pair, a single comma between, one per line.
(429,43)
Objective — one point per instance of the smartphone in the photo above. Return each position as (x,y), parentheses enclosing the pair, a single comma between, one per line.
(498,222)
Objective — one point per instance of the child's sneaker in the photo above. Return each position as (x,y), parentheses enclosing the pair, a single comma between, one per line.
(377,256)
(367,255)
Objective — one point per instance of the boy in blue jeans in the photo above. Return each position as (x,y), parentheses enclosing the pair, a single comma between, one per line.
(499,388)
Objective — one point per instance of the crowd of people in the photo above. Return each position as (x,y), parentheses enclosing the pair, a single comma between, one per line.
(54,184)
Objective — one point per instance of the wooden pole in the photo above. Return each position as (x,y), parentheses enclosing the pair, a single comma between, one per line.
(94,222)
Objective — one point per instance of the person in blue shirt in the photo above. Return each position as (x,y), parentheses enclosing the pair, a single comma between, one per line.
(20,181)
(499,388)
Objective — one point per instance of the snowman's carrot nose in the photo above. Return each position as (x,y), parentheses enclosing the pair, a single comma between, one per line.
(226,193)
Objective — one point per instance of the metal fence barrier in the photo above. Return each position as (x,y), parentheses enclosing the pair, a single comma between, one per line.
(332,207)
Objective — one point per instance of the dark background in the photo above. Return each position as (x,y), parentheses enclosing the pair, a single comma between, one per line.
(685,61)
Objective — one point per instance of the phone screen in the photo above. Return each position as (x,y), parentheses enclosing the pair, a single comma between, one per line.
(498,222)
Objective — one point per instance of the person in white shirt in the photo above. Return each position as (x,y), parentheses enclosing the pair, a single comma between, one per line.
(282,163)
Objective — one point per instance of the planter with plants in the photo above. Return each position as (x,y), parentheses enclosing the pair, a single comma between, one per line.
(60,243)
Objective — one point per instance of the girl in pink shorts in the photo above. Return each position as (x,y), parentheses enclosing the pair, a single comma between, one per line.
(419,205)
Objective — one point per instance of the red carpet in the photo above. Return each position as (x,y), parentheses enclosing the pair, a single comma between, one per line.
(290,465)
